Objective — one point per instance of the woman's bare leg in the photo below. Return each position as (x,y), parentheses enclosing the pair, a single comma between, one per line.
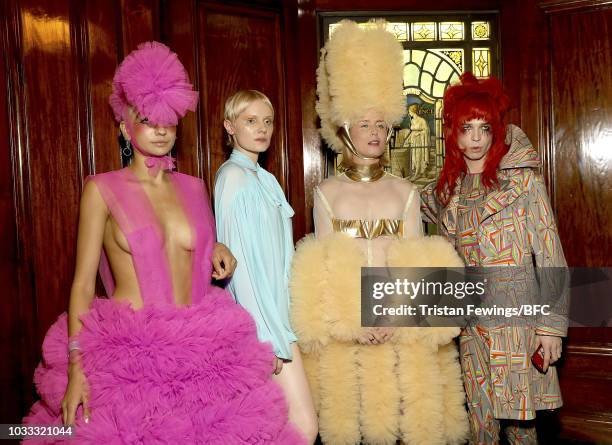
(297,392)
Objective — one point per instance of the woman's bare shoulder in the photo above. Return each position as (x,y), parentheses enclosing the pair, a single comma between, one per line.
(401,185)
(331,185)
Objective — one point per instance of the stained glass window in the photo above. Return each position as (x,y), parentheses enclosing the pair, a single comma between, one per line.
(423,31)
(400,30)
(452,31)
(481,31)
(437,50)
(481,62)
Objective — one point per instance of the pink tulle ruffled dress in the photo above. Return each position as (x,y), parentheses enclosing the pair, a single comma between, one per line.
(165,374)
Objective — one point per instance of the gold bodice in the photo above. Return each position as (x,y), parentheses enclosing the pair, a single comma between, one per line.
(369,229)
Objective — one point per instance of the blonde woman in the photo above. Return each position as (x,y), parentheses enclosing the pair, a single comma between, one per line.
(254,221)
(370,385)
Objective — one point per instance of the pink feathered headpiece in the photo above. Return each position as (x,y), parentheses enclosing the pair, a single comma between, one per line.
(155,83)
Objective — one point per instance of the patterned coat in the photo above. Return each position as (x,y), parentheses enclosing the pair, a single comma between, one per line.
(508,226)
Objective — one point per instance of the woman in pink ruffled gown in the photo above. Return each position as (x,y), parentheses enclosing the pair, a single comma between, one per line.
(168,358)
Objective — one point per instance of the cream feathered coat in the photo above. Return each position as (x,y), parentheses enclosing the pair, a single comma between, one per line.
(408,388)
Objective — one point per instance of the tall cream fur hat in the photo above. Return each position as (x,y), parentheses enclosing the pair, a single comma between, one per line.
(359,69)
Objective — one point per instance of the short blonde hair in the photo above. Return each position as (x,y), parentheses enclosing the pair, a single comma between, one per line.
(238,102)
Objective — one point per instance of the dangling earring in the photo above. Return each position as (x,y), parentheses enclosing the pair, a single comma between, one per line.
(127,150)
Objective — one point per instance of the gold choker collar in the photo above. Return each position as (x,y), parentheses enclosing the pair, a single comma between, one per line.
(364,173)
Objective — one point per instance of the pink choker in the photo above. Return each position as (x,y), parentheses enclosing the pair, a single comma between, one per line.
(157,163)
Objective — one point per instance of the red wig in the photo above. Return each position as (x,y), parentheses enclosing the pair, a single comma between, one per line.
(472,99)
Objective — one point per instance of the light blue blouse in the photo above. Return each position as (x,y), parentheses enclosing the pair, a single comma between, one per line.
(254,222)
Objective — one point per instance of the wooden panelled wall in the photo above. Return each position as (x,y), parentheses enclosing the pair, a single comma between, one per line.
(56,128)
(577,106)
(58,58)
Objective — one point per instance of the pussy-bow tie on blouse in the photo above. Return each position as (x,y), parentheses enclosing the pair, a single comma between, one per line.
(270,186)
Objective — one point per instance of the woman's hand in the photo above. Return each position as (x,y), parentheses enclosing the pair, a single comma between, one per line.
(385,333)
(278,365)
(223,262)
(77,393)
(373,336)
(551,349)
